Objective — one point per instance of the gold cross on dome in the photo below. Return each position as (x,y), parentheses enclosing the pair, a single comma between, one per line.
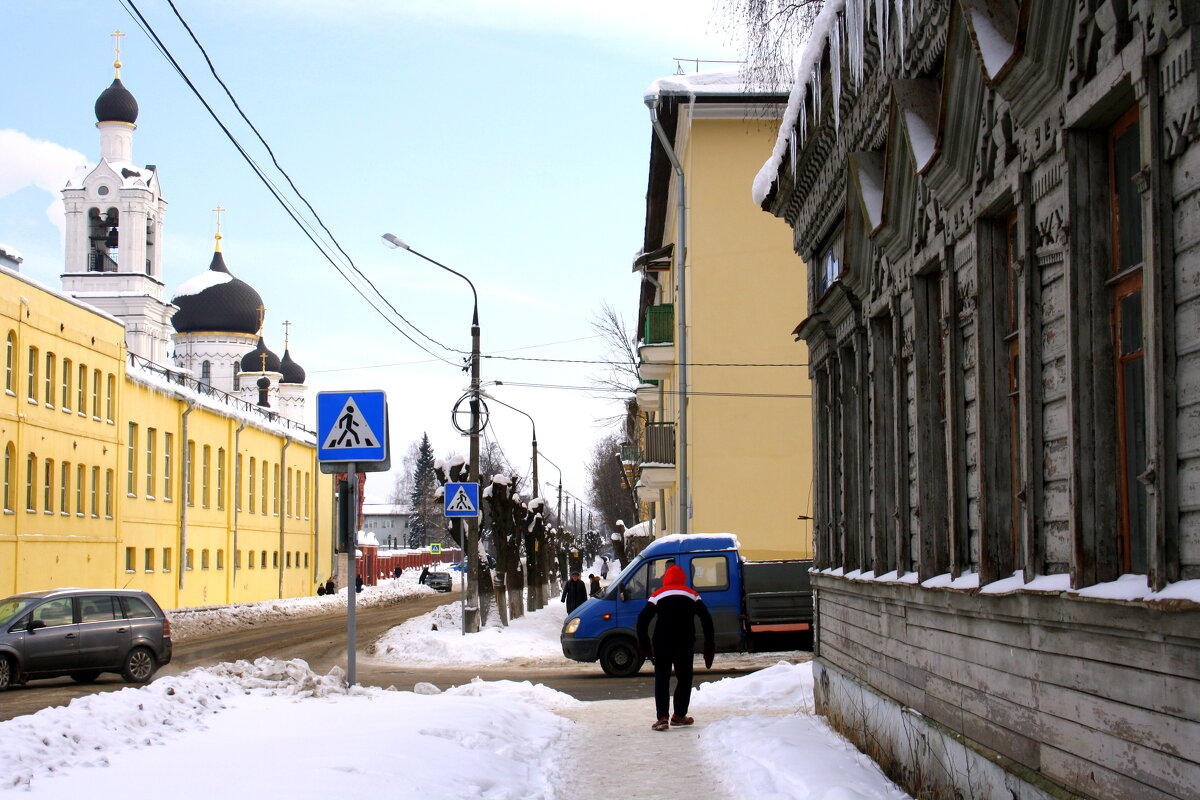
(218,209)
(287,329)
(117,40)
(263,357)
(262,313)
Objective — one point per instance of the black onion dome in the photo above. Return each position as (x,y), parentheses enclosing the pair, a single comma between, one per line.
(116,104)
(253,362)
(216,301)
(264,383)
(292,372)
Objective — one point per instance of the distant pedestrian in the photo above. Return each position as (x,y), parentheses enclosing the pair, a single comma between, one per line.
(396,572)
(330,586)
(424,575)
(358,583)
(604,568)
(676,605)
(574,593)
(594,586)
(320,589)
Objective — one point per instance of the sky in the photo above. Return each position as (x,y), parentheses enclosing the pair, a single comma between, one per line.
(755,735)
(505,139)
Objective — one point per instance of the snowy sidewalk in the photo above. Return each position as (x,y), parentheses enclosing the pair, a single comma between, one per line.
(612,738)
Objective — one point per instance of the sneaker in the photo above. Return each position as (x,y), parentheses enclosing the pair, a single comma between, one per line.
(661,725)
(678,720)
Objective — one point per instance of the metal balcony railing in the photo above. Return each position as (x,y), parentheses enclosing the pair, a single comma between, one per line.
(631,454)
(660,325)
(660,442)
(100,262)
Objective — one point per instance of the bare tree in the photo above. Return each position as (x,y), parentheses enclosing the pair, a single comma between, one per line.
(402,489)
(772,32)
(608,492)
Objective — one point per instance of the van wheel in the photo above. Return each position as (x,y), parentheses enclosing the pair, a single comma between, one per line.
(620,658)
(139,666)
(85,676)
(7,672)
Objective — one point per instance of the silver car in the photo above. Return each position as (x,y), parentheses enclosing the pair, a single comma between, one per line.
(81,633)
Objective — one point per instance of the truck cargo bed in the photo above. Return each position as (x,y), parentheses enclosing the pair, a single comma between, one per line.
(778,595)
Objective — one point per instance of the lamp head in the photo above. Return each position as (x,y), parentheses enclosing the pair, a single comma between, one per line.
(394,242)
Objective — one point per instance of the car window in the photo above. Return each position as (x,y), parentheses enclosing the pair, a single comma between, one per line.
(647,579)
(98,608)
(710,573)
(12,607)
(54,613)
(135,608)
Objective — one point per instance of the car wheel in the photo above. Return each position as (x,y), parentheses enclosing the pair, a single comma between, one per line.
(85,676)
(620,658)
(7,672)
(139,665)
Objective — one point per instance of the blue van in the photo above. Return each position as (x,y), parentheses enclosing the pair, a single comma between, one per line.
(605,627)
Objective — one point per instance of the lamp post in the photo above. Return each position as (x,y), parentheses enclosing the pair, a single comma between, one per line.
(471,550)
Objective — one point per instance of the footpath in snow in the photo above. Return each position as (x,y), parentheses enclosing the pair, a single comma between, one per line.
(276,729)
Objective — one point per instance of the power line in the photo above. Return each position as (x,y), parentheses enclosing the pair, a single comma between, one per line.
(148,29)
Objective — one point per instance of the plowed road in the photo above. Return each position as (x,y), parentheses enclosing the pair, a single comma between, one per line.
(321,641)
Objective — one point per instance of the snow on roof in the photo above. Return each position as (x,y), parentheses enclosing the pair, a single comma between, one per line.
(810,60)
(995,36)
(158,380)
(205,280)
(707,82)
(11,253)
(60,295)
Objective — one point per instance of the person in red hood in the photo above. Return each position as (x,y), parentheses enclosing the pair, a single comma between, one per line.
(676,605)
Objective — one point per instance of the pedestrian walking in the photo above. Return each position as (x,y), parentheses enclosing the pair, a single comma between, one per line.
(574,593)
(330,586)
(358,583)
(676,605)
(593,585)
(424,575)
(604,568)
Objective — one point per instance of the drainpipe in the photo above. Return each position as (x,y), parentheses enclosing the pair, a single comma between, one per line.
(237,506)
(185,478)
(679,259)
(282,500)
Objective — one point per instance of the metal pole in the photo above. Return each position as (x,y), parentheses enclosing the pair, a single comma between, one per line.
(352,585)
(471,620)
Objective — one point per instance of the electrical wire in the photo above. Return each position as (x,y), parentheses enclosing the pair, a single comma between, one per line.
(136,14)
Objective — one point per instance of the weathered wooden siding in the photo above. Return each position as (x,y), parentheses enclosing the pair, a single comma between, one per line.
(1070,687)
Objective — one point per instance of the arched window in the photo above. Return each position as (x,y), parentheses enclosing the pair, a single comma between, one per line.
(10,353)
(206,373)
(10,455)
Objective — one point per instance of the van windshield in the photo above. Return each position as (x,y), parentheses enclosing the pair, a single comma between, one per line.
(13,607)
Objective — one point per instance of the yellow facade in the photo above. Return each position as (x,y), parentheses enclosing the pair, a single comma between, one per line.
(117,474)
(749,428)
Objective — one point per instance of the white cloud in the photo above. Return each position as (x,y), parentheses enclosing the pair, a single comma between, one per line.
(34,162)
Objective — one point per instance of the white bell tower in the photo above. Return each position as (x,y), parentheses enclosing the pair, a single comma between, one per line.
(114,219)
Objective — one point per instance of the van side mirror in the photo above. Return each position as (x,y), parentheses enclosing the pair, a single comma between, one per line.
(34,624)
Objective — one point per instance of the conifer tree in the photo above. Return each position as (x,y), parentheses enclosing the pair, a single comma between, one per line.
(427,513)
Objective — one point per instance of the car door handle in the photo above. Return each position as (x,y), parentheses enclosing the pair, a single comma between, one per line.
(122,630)
(70,636)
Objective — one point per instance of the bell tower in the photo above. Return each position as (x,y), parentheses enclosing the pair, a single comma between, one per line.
(114,218)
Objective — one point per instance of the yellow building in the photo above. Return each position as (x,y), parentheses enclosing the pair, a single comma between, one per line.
(120,472)
(728,424)
(195,482)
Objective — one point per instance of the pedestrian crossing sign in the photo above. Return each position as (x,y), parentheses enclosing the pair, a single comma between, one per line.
(352,428)
(462,500)
(435,549)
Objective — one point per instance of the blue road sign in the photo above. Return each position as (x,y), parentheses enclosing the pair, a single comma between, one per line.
(352,427)
(435,549)
(462,499)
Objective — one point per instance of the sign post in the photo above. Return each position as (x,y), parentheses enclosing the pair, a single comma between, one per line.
(352,437)
(461,500)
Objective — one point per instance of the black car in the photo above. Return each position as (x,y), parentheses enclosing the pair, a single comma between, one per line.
(81,633)
(440,581)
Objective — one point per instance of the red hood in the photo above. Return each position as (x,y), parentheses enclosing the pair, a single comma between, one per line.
(674,583)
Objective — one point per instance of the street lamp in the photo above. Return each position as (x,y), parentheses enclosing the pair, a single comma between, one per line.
(471,615)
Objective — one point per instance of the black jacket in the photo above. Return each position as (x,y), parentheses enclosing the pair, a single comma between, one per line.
(676,605)
(574,593)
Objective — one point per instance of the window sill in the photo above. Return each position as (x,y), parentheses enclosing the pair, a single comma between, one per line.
(66,410)
(148,571)
(130,572)
(130,494)
(149,497)
(10,393)
(110,422)
(9,511)
(95,418)
(31,401)
(108,516)
(48,512)
(50,406)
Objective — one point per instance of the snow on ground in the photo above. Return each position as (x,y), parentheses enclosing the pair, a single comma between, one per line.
(527,639)
(188,623)
(756,736)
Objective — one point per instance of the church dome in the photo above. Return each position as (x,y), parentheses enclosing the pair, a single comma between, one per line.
(253,361)
(116,104)
(214,300)
(292,372)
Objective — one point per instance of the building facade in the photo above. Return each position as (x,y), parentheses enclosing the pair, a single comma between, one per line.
(725,408)
(196,481)
(998,204)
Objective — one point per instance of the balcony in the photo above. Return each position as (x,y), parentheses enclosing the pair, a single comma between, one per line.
(658,467)
(649,397)
(660,325)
